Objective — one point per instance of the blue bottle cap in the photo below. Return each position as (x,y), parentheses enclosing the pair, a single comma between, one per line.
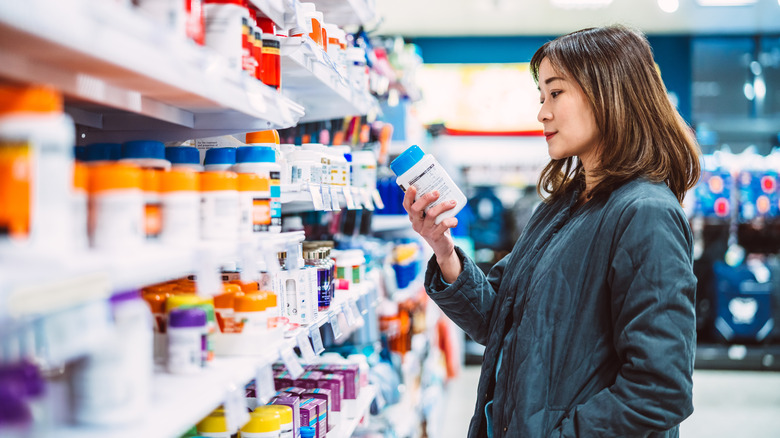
(406,160)
(348,157)
(220,156)
(255,154)
(307,432)
(103,152)
(143,149)
(182,155)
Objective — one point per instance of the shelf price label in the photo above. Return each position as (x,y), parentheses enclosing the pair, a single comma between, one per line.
(334,325)
(348,196)
(264,384)
(316,197)
(366,196)
(236,412)
(356,311)
(377,199)
(334,196)
(348,315)
(307,352)
(316,339)
(290,361)
(327,200)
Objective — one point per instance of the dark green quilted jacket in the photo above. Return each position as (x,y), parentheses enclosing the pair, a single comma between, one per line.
(594,311)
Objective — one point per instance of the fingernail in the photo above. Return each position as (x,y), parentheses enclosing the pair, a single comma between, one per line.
(435,193)
(452,202)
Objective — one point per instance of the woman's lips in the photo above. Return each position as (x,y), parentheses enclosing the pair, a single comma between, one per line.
(549,135)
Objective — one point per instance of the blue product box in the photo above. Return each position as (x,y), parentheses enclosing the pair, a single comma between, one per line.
(743,305)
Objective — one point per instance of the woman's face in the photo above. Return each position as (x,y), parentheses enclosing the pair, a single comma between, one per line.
(569,124)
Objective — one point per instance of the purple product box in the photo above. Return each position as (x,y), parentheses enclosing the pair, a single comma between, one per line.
(335,383)
(351,375)
(322,414)
(282,380)
(324,395)
(295,390)
(308,379)
(278,366)
(309,415)
(293,402)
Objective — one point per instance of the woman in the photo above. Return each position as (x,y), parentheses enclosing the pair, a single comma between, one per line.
(589,322)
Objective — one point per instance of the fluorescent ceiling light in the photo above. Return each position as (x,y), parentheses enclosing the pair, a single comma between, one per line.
(669,6)
(580,4)
(727,2)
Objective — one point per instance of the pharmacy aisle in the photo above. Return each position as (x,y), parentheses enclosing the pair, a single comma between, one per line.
(186,247)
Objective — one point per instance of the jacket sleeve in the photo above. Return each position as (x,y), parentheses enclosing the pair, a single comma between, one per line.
(652,287)
(468,301)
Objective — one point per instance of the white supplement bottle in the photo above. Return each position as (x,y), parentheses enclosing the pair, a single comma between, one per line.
(220,214)
(261,160)
(180,207)
(116,207)
(186,340)
(413,168)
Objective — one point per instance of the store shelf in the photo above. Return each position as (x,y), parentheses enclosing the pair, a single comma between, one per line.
(314,198)
(310,78)
(125,77)
(347,12)
(347,427)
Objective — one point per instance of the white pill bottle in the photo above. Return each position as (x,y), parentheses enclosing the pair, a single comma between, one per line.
(414,168)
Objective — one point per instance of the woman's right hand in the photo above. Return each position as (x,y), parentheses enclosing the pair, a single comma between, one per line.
(437,235)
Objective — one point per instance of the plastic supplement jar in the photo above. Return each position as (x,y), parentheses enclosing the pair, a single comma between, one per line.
(250,313)
(148,154)
(214,426)
(255,203)
(219,159)
(285,416)
(180,200)
(219,205)
(116,211)
(186,157)
(414,168)
(36,173)
(261,160)
(186,341)
(263,423)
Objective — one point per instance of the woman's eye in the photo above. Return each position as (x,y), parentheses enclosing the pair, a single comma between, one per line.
(554,94)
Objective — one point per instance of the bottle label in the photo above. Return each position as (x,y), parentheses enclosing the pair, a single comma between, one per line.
(153,220)
(261,214)
(16,176)
(428,181)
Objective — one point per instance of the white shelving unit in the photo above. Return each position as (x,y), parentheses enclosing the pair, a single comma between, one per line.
(320,198)
(125,77)
(310,78)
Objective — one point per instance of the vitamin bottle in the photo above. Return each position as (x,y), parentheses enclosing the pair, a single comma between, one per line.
(36,167)
(180,201)
(413,168)
(150,184)
(318,151)
(80,205)
(214,426)
(272,61)
(186,157)
(102,153)
(116,210)
(187,341)
(261,160)
(219,159)
(147,154)
(250,313)
(191,301)
(113,385)
(263,423)
(285,416)
(219,205)
(224,26)
(224,305)
(255,203)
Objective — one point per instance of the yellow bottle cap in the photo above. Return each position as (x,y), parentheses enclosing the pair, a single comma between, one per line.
(179,180)
(271,136)
(285,412)
(177,301)
(250,303)
(263,420)
(103,177)
(33,98)
(252,182)
(218,181)
(214,423)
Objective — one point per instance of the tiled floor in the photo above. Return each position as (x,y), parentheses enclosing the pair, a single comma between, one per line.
(728,404)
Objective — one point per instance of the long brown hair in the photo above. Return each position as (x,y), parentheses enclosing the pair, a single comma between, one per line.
(641,132)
